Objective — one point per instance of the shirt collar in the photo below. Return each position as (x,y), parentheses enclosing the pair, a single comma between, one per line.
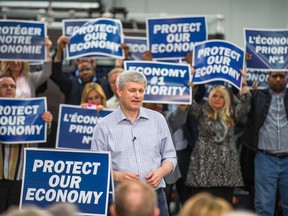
(120,116)
(280,93)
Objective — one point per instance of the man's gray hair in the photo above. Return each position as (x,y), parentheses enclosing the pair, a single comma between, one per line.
(130,76)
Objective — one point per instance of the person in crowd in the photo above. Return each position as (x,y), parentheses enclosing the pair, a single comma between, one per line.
(113,102)
(72,87)
(266,134)
(63,209)
(136,156)
(205,204)
(135,198)
(215,165)
(93,96)
(26,81)
(27,211)
(184,139)
(12,155)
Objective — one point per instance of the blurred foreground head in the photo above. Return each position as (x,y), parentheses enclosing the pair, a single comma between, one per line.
(204,204)
(135,198)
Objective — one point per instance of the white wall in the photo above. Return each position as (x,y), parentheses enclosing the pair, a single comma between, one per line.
(238,13)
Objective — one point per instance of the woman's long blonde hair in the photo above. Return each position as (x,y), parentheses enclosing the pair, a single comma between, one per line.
(92,86)
(224,113)
(5,68)
(204,204)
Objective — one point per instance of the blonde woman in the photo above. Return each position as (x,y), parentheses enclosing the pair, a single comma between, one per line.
(214,165)
(28,82)
(204,204)
(93,96)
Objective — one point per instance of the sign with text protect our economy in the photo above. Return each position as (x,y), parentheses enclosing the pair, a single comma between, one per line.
(167,83)
(100,36)
(218,60)
(78,177)
(76,125)
(22,40)
(174,37)
(269,49)
(21,121)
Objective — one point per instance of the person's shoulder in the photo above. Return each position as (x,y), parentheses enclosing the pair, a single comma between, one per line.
(105,123)
(109,118)
(152,113)
(112,102)
(259,91)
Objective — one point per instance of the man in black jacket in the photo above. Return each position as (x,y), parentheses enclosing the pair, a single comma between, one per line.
(267,134)
(72,87)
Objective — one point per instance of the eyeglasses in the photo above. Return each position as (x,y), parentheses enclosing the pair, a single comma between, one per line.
(6,86)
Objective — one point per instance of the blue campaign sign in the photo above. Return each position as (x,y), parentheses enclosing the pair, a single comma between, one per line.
(78,177)
(96,37)
(76,125)
(167,83)
(137,46)
(22,40)
(269,49)
(21,121)
(174,37)
(218,60)
(261,77)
